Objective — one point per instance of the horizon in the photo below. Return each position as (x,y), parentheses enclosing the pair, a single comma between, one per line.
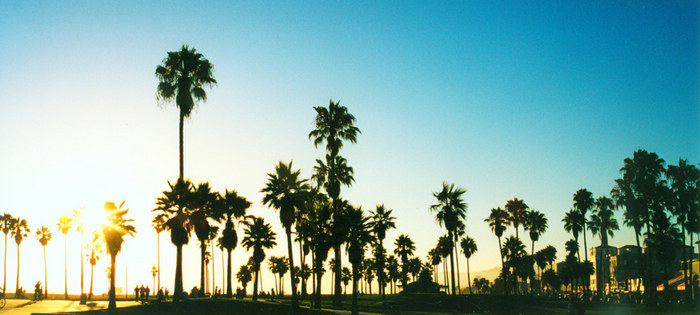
(502,99)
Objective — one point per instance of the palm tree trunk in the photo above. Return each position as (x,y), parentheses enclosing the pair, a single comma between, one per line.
(223,279)
(158,247)
(355,310)
(276,283)
(469,281)
(692,286)
(182,155)
(337,298)
(380,263)
(112,291)
(213,267)
(649,287)
(81,266)
(459,285)
(17,283)
(295,302)
(585,246)
(92,269)
(685,265)
(202,251)
(177,294)
(452,271)
(4,267)
(444,276)
(503,265)
(229,289)
(65,266)
(46,286)
(255,284)
(317,302)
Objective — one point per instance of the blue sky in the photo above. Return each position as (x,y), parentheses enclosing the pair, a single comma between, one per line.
(506,99)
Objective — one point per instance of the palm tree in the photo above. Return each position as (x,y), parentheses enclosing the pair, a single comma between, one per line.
(536,223)
(43,235)
(333,125)
(603,221)
(404,249)
(583,201)
(318,223)
(434,258)
(359,236)
(444,247)
(79,225)
(345,276)
(158,224)
(94,247)
(513,250)
(154,272)
(65,224)
(243,276)
(516,209)
(573,224)
(381,222)
(460,231)
(113,232)
(182,77)
(286,192)
(684,180)
(203,203)
(6,222)
(468,248)
(449,210)
(232,206)
(20,230)
(258,236)
(174,207)
(498,221)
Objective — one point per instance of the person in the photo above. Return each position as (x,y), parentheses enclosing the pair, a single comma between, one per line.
(166,293)
(37,291)
(136,293)
(148,292)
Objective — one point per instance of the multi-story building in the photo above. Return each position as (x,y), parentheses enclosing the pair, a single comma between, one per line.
(600,257)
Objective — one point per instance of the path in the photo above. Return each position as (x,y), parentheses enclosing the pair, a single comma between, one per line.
(26,307)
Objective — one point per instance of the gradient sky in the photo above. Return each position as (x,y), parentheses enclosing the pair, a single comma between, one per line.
(533,100)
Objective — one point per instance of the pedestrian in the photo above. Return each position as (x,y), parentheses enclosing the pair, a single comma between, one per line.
(148,292)
(136,293)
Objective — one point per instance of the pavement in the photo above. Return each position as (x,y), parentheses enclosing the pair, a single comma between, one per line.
(26,307)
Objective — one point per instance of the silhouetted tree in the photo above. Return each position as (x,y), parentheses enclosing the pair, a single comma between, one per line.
(381,222)
(94,247)
(65,224)
(498,220)
(468,248)
(516,209)
(536,224)
(113,231)
(450,209)
(6,222)
(258,236)
(182,77)
(232,206)
(43,235)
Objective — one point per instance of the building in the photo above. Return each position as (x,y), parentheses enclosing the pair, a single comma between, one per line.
(600,257)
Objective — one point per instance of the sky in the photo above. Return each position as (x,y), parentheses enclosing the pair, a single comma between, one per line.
(505,99)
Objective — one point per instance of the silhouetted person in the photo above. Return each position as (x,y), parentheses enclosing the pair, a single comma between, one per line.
(37,291)
(148,292)
(136,293)
(166,293)
(142,293)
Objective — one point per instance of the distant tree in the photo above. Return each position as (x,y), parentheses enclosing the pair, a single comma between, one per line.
(468,248)
(232,206)
(450,209)
(6,222)
(154,272)
(517,210)
(345,276)
(244,276)
(65,224)
(182,77)
(94,248)
(498,220)
(204,205)
(536,224)
(393,272)
(513,250)
(404,249)
(359,236)
(573,223)
(79,224)
(113,231)
(381,221)
(583,201)
(258,236)
(43,235)
(551,280)
(158,224)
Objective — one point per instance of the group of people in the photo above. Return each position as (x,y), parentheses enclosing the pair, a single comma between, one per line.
(143,293)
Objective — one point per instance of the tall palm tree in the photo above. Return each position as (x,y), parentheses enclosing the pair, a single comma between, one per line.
(460,231)
(450,209)
(113,232)
(158,224)
(232,206)
(213,233)
(603,221)
(333,125)
(498,221)
(174,207)
(516,209)
(573,224)
(203,203)
(79,224)
(318,219)
(684,181)
(583,201)
(43,235)
(381,222)
(20,230)
(468,248)
(359,236)
(6,222)
(536,224)
(182,77)
(286,192)
(513,250)
(94,247)
(258,236)
(65,224)
(404,249)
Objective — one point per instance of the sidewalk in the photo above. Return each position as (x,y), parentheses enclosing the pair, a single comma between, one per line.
(26,307)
